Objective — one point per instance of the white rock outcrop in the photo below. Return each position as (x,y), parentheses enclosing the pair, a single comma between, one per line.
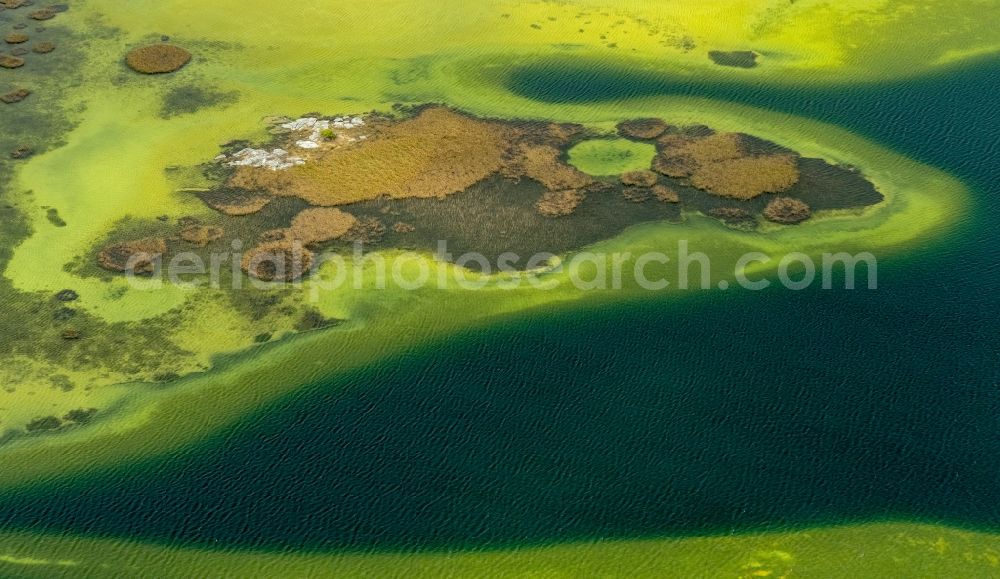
(278,159)
(317,126)
(275,159)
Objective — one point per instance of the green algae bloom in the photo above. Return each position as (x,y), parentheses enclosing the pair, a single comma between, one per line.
(611,156)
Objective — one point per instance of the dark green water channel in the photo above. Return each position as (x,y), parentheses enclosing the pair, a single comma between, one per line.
(711,413)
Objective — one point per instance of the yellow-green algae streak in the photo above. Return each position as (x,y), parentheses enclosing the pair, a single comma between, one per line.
(869,550)
(351,57)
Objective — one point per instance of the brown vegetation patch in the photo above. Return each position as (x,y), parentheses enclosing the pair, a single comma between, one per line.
(43,14)
(138,256)
(436,153)
(642,128)
(366,230)
(734,217)
(559,203)
(44,47)
(319,224)
(157,58)
(15,38)
(748,177)
(786,210)
(637,194)
(12,4)
(726,164)
(681,155)
(665,194)
(544,164)
(402,227)
(238,204)
(676,167)
(274,235)
(278,260)
(261,179)
(201,235)
(15,96)
(639,178)
(564,132)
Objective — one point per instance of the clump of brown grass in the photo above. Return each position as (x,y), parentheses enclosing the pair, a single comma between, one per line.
(7,61)
(787,210)
(15,96)
(735,217)
(559,203)
(637,194)
(642,128)
(259,179)
(563,132)
(665,194)
(685,154)
(544,164)
(721,164)
(434,154)
(639,178)
(748,177)
(366,230)
(277,260)
(43,14)
(201,235)
(139,255)
(237,206)
(319,224)
(157,58)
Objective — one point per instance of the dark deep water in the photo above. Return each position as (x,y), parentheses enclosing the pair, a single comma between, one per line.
(703,414)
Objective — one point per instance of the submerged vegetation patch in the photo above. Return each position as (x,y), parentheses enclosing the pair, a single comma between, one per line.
(191,98)
(734,58)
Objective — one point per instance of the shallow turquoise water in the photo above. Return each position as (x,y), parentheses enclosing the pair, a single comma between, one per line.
(717,412)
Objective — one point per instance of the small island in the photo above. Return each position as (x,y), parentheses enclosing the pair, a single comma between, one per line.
(491,186)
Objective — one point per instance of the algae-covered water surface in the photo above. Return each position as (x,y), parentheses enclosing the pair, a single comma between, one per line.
(470,289)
